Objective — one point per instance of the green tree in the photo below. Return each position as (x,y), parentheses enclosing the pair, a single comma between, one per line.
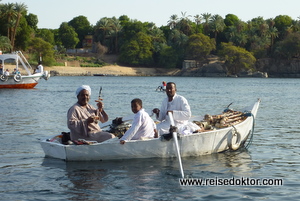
(24,35)
(199,46)
(236,58)
(206,17)
(47,35)
(115,32)
(231,20)
(137,51)
(103,31)
(39,47)
(185,24)
(32,21)
(289,47)
(68,36)
(5,44)
(173,21)
(217,25)
(198,19)
(123,19)
(8,13)
(282,23)
(168,57)
(82,27)
(20,9)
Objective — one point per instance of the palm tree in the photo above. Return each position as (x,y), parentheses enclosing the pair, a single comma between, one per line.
(8,12)
(273,33)
(206,17)
(104,26)
(198,19)
(217,24)
(116,28)
(173,21)
(19,8)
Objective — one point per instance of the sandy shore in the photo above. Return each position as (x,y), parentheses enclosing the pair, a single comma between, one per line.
(110,70)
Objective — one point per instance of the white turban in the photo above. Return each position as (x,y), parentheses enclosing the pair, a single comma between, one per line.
(86,87)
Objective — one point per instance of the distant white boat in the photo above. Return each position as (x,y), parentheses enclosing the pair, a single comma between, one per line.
(19,80)
(201,143)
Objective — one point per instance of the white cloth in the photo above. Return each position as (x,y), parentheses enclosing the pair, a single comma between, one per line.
(39,69)
(142,126)
(6,73)
(82,87)
(181,114)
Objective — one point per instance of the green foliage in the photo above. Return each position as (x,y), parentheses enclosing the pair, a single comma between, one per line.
(237,58)
(32,21)
(23,35)
(137,51)
(199,46)
(46,34)
(68,36)
(289,47)
(282,22)
(5,44)
(82,27)
(58,64)
(168,57)
(39,47)
(230,20)
(143,44)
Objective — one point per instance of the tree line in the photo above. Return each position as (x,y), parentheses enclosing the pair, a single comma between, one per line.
(138,43)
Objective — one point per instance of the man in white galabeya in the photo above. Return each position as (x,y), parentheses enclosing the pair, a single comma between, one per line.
(179,107)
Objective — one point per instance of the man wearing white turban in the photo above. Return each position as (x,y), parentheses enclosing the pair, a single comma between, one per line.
(83,118)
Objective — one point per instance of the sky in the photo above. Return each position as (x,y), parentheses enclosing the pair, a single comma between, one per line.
(51,13)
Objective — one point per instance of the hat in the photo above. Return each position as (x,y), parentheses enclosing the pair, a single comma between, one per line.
(82,87)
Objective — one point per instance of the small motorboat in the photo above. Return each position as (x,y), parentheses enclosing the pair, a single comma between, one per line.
(23,79)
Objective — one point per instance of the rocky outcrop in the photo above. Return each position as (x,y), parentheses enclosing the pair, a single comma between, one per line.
(265,68)
(279,68)
(209,70)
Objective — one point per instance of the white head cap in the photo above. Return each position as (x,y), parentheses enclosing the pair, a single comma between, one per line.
(86,87)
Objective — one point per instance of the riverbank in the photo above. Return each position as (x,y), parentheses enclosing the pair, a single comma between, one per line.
(113,70)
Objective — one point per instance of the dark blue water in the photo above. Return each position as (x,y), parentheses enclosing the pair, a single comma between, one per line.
(30,115)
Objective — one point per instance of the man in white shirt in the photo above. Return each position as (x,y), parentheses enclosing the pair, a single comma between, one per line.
(142,125)
(39,68)
(180,109)
(6,72)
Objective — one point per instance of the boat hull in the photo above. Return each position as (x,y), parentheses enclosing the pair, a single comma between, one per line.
(27,82)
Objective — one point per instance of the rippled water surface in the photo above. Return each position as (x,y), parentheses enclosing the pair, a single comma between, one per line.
(30,115)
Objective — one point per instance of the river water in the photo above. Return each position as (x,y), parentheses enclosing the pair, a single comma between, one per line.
(30,115)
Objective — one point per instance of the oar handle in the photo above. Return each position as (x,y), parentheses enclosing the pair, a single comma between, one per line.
(176,144)
(171,118)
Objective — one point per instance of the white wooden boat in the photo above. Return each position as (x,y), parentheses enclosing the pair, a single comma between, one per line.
(24,80)
(195,144)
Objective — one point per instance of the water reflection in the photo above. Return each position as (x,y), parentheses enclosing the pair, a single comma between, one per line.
(87,179)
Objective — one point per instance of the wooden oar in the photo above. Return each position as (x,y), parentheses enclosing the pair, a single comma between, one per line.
(176,143)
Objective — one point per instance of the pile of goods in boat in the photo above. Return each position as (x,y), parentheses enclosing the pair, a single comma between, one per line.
(227,118)
(118,127)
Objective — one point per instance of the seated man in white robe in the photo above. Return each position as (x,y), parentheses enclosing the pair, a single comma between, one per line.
(180,109)
(83,118)
(142,125)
